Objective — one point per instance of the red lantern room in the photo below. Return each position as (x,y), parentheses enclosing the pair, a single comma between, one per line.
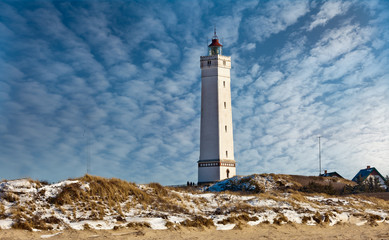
(215,48)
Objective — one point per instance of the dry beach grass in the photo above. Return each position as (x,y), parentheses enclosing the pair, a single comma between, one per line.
(265,206)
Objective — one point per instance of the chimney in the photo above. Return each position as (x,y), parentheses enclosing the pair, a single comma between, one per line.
(325,171)
(368,167)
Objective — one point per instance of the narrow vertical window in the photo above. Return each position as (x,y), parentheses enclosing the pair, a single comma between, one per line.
(225,105)
(209,63)
(225,128)
(224,83)
(224,63)
(226,153)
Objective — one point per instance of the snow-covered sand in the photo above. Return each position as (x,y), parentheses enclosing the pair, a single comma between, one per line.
(25,200)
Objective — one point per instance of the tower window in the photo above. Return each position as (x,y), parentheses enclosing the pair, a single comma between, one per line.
(226,153)
(209,63)
(224,63)
(225,105)
(225,128)
(224,83)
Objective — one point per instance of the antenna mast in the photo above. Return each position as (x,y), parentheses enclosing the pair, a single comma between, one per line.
(319,156)
(88,159)
(87,150)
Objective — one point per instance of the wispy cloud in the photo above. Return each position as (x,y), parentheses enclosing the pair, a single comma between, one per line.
(274,17)
(119,83)
(328,11)
(315,92)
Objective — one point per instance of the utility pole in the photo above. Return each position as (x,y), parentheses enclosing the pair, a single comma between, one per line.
(319,156)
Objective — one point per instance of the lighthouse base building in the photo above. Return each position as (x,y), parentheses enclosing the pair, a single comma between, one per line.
(216,133)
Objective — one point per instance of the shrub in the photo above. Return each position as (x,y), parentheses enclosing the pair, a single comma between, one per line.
(314,187)
(52,220)
(247,218)
(255,187)
(2,211)
(281,218)
(234,219)
(326,217)
(317,217)
(117,227)
(38,223)
(369,185)
(22,221)
(86,226)
(44,182)
(298,197)
(227,220)
(10,197)
(159,190)
(69,194)
(243,207)
(171,225)
(120,219)
(238,226)
(198,222)
(22,225)
(169,206)
(109,192)
(138,225)
(305,219)
(372,218)
(17,214)
(114,189)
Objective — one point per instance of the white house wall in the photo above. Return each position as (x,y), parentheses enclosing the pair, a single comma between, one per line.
(381,181)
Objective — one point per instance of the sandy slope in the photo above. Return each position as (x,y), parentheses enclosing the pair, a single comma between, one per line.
(262,231)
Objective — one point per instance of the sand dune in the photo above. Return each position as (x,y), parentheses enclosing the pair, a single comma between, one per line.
(253,207)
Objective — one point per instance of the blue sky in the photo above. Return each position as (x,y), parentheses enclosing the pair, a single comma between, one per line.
(118,83)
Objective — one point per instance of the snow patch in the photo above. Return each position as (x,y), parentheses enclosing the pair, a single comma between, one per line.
(18,186)
(6,223)
(224,227)
(53,189)
(51,235)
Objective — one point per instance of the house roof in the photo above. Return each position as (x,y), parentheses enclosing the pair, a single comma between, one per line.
(364,173)
(331,174)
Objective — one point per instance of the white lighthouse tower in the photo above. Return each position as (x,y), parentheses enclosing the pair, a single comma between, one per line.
(216,139)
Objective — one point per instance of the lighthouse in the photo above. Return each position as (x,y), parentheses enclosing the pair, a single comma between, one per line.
(216,136)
